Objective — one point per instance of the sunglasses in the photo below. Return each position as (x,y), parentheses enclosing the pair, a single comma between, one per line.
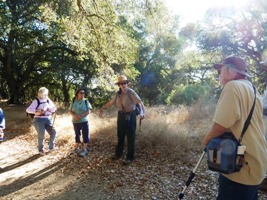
(219,71)
(123,83)
(81,92)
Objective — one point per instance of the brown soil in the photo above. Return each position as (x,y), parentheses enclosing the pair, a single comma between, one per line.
(159,171)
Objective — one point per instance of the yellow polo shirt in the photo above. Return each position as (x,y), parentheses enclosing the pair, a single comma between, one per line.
(232,110)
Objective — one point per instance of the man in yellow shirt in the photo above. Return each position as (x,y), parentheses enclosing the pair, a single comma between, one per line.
(232,110)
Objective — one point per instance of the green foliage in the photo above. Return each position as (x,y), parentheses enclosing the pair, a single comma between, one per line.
(65,45)
(61,45)
(240,32)
(189,94)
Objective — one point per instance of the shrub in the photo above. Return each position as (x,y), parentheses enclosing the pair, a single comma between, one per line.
(189,94)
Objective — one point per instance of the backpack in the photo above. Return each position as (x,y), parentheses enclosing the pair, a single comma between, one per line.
(38,104)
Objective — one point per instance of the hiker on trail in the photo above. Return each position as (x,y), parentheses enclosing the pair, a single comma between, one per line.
(232,110)
(79,110)
(43,108)
(125,100)
(2,124)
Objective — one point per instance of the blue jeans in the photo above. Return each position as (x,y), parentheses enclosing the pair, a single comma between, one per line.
(84,127)
(229,190)
(42,124)
(126,128)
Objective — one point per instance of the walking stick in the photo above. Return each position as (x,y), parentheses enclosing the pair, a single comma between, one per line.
(192,175)
(53,122)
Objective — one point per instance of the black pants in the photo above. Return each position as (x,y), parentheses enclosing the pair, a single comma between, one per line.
(126,128)
(229,190)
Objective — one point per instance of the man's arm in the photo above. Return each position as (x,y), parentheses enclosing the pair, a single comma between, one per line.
(215,131)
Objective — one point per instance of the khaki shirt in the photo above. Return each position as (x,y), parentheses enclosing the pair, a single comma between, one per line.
(232,110)
(126,102)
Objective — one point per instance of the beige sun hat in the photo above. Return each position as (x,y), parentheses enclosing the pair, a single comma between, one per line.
(122,78)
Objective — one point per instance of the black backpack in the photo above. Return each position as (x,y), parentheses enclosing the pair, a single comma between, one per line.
(38,104)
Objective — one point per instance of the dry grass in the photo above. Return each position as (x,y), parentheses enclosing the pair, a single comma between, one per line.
(175,128)
(169,128)
(167,148)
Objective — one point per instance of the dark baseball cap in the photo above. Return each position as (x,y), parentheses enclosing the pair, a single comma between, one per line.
(235,63)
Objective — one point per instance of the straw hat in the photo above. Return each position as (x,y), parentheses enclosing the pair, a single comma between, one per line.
(122,78)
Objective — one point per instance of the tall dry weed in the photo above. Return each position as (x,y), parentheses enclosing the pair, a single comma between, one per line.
(176,128)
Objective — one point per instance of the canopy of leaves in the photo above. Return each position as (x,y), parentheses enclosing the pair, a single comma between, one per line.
(66,44)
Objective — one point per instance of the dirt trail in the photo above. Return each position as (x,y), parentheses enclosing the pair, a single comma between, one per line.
(159,172)
(24,174)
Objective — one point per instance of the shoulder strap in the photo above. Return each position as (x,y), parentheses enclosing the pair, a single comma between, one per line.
(85,101)
(130,96)
(247,122)
(73,99)
(38,103)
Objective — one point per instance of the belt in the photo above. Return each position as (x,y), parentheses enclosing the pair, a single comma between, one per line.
(122,112)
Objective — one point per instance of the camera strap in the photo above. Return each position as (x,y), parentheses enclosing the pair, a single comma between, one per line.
(247,122)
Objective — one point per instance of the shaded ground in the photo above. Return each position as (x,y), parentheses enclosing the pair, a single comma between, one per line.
(159,171)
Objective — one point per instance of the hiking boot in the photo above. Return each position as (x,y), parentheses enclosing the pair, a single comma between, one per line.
(41,153)
(127,161)
(115,157)
(83,153)
(263,185)
(54,149)
(76,150)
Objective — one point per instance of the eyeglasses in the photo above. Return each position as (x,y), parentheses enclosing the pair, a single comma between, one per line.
(123,83)
(81,92)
